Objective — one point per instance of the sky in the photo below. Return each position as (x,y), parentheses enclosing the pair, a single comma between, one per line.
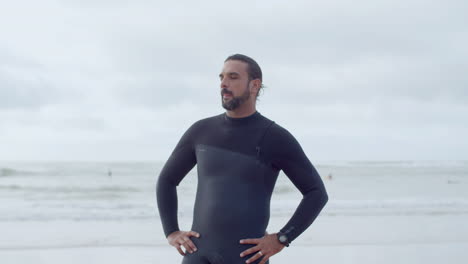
(122,80)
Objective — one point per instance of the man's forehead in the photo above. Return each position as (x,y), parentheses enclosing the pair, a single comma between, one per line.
(234,66)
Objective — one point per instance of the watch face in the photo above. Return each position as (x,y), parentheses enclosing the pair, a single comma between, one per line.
(283,238)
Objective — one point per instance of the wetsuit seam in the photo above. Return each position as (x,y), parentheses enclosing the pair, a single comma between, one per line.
(231,151)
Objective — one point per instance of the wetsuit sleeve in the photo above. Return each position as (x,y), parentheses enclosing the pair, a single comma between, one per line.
(292,160)
(180,162)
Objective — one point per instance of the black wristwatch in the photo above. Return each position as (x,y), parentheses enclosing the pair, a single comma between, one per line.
(283,238)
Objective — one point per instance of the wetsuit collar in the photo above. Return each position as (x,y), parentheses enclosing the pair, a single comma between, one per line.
(241,120)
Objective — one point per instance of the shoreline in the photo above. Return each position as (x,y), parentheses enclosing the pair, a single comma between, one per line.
(428,254)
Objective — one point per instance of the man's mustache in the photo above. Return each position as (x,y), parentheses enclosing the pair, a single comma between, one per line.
(226,91)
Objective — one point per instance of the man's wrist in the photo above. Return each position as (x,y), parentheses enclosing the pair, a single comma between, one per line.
(283,238)
(172,232)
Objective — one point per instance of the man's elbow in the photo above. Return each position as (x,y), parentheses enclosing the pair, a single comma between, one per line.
(318,194)
(163,184)
(324,197)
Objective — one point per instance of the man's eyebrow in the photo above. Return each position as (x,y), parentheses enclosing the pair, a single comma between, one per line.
(229,73)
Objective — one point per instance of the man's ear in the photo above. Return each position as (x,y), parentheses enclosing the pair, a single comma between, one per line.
(256,84)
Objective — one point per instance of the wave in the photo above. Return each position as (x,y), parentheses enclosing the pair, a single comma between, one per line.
(383,207)
(111,211)
(395,163)
(72,169)
(7,172)
(69,189)
(78,168)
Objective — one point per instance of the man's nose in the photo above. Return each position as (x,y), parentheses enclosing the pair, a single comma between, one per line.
(223,84)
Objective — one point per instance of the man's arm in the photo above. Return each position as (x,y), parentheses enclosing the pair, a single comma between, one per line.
(181,161)
(292,160)
(287,154)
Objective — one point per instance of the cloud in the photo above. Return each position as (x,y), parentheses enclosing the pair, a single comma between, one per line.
(22,84)
(105,73)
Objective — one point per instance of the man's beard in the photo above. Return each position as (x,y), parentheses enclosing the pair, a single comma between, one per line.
(235,101)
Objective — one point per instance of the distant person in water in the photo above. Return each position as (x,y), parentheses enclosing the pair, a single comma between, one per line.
(239,155)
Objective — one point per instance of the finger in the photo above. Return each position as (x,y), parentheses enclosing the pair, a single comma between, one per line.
(264,260)
(191,246)
(254,258)
(250,241)
(186,250)
(250,251)
(180,251)
(193,233)
(183,239)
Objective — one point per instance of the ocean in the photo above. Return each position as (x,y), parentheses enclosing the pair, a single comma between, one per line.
(44,191)
(113,204)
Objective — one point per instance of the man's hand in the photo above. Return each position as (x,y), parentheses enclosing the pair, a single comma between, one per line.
(182,238)
(266,246)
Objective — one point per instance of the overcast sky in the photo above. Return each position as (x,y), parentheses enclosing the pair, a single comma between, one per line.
(122,80)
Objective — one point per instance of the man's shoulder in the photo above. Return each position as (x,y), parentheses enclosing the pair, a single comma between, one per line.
(210,119)
(277,132)
(207,121)
(281,143)
(277,129)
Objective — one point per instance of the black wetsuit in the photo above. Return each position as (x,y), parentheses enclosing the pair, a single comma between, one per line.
(238,161)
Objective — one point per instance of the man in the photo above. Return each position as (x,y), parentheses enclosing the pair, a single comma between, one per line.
(239,155)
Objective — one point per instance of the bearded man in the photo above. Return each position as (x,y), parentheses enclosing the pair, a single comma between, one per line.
(239,155)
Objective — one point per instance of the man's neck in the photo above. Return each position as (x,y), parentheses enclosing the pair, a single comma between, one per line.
(239,113)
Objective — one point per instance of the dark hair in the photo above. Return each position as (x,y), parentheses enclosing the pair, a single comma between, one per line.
(253,69)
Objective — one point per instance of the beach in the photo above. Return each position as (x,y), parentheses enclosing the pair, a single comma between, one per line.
(397,212)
